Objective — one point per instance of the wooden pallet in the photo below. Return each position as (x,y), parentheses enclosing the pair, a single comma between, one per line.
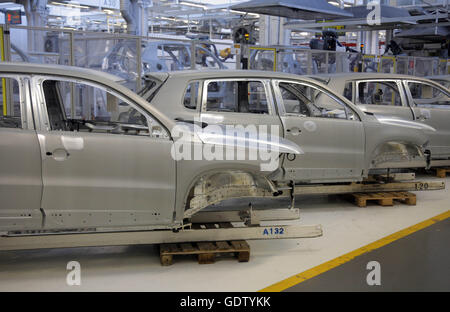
(384,198)
(442,172)
(206,251)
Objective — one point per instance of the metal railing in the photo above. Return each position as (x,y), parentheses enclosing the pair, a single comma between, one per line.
(304,61)
(130,56)
(124,55)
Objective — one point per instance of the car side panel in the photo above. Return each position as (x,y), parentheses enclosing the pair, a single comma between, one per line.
(103,180)
(438,117)
(20,180)
(111,181)
(20,170)
(334,149)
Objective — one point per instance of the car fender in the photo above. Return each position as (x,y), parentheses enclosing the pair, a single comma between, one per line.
(395,145)
(212,181)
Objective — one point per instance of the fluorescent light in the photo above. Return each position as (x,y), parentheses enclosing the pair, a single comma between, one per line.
(188,21)
(167,18)
(335,3)
(194,5)
(238,12)
(70,5)
(241,12)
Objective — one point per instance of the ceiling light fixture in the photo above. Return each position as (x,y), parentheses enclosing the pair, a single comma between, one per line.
(167,18)
(196,5)
(243,13)
(335,3)
(70,5)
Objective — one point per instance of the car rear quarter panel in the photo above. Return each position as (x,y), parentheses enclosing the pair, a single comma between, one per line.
(378,134)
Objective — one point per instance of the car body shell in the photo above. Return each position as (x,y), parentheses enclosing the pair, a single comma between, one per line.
(443,80)
(66,180)
(428,112)
(368,132)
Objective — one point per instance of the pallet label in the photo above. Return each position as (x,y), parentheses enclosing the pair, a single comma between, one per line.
(273,231)
(421,186)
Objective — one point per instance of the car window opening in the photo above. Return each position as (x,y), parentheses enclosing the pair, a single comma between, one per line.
(307,101)
(95,110)
(237,97)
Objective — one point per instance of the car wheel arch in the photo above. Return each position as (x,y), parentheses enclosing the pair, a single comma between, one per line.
(396,154)
(215,186)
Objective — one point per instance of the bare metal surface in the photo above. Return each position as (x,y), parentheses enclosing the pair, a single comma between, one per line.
(435,123)
(157,237)
(236,215)
(99,180)
(358,187)
(219,195)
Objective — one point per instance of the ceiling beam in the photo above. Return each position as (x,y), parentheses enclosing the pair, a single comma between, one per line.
(363,22)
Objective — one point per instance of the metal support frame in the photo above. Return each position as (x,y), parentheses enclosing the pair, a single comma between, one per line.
(359,24)
(262,215)
(72,85)
(310,63)
(292,195)
(255,232)
(158,237)
(392,58)
(7,91)
(73,33)
(338,56)
(414,69)
(216,196)
(138,64)
(2,55)
(370,187)
(274,50)
(193,56)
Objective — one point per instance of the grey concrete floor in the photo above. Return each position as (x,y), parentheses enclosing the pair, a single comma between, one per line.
(417,262)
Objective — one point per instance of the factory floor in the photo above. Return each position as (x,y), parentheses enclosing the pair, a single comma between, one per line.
(410,245)
(418,262)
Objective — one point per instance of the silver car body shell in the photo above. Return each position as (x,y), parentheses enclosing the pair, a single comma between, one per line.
(376,134)
(435,124)
(157,203)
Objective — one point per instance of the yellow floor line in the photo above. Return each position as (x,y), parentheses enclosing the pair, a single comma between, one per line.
(321,268)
